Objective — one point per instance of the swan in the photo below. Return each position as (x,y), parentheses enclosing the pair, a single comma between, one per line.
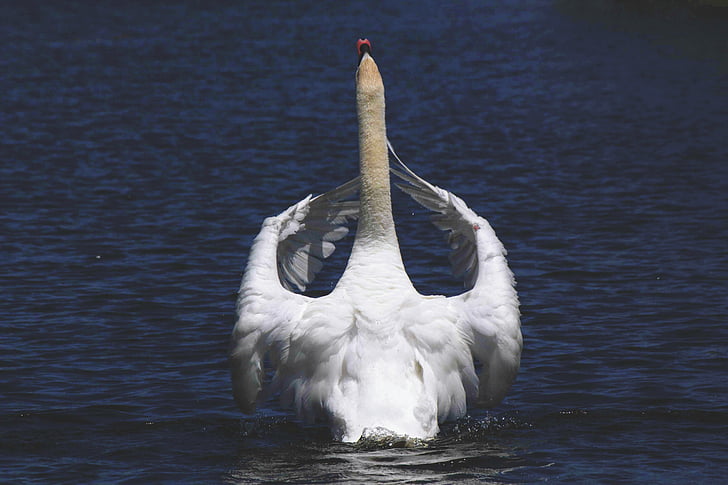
(374,354)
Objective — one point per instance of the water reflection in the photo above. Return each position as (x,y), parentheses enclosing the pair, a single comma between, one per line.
(278,450)
(436,463)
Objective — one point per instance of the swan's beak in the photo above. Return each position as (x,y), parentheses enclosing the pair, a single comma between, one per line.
(368,79)
(364,48)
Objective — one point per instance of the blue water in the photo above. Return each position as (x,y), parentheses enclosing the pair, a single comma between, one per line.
(142,145)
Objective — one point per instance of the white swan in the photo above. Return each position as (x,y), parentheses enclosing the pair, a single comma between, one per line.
(374,353)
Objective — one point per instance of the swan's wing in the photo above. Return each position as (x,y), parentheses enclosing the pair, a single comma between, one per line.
(288,251)
(487,313)
(309,230)
(451,214)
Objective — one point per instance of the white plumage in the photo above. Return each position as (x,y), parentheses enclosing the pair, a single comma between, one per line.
(374,353)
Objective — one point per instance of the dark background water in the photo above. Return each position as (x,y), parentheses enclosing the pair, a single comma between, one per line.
(142,145)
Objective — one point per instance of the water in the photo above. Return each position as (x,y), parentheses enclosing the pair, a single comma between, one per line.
(142,146)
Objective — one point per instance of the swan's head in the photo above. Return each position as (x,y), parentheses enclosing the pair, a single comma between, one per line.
(368,79)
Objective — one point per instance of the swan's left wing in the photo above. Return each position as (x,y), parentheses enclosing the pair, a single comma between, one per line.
(487,312)
(309,234)
(287,252)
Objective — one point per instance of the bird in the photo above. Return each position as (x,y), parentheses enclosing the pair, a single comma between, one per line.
(374,354)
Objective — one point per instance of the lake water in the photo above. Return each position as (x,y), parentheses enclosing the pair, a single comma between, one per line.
(141,146)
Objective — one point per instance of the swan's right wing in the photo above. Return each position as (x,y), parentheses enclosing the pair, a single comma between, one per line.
(487,314)
(452,215)
(288,252)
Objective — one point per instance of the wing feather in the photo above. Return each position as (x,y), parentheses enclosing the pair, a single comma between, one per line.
(310,232)
(288,252)
(451,214)
(487,313)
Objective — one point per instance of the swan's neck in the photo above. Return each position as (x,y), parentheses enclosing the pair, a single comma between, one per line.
(375,264)
(376,224)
